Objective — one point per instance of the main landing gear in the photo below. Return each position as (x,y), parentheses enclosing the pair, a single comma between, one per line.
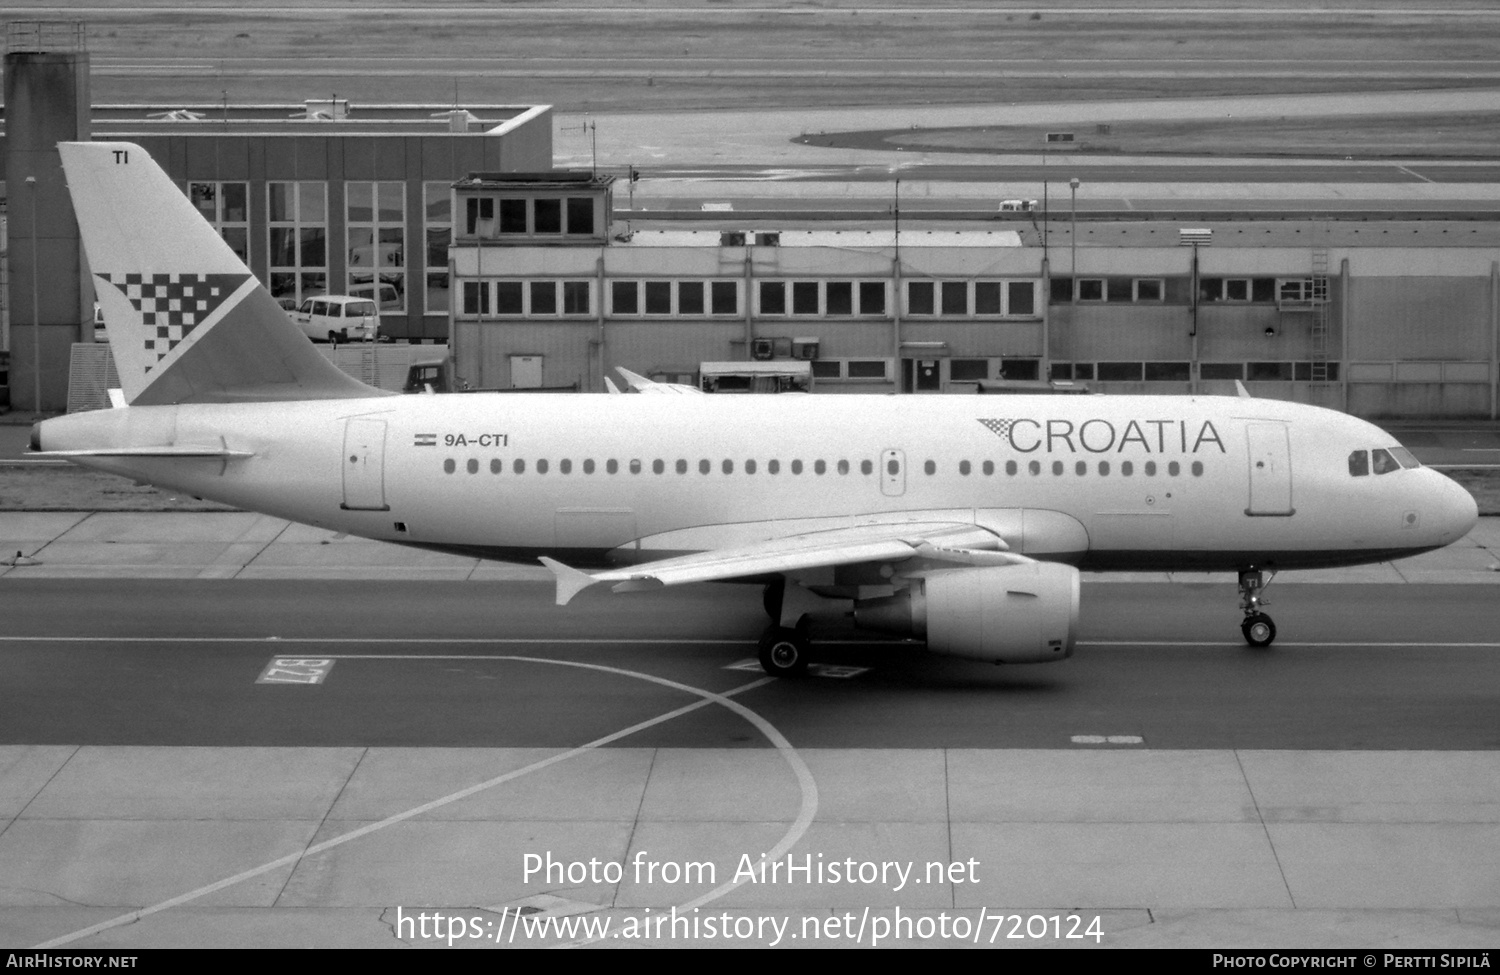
(783,649)
(1257,627)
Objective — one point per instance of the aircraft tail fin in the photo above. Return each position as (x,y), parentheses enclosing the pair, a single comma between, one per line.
(187,321)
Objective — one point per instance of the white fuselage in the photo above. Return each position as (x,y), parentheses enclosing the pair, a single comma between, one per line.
(1100,481)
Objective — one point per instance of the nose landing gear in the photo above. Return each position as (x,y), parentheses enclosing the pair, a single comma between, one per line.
(1257,627)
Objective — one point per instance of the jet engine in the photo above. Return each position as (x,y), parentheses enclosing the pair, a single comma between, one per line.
(1015,614)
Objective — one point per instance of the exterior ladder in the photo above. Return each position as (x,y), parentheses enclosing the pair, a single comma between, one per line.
(1319,300)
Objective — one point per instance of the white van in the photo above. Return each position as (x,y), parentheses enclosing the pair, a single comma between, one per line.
(338,318)
(1017,206)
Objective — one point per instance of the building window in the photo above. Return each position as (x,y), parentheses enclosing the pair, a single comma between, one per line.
(547,216)
(513,216)
(297,237)
(1237,289)
(867,368)
(225,206)
(510,298)
(725,296)
(839,297)
(674,298)
(853,370)
(1221,370)
(987,298)
(581,215)
(962,370)
(1020,297)
(920,298)
(804,297)
(1168,372)
(658,297)
(1150,289)
(773,298)
(624,297)
(1120,372)
(437,227)
(376,228)
(576,298)
(1091,289)
(545,298)
(476,298)
(972,299)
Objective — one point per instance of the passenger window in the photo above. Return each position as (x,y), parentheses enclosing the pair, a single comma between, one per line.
(1359,464)
(749,467)
(1081,468)
(657,466)
(1383,462)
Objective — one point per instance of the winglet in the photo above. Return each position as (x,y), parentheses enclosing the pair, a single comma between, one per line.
(570,581)
(1241,391)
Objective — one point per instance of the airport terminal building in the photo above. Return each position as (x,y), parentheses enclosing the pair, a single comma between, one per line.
(1378,329)
(454,219)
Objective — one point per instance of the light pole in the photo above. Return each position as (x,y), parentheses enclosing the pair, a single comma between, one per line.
(1073,255)
(36,315)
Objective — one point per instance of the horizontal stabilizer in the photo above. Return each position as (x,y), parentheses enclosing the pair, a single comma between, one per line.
(175,451)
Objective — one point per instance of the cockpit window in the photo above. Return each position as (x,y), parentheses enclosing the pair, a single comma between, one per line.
(1404,457)
(1383,461)
(1359,463)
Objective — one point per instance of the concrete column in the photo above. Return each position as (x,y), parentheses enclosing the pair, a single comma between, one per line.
(46,102)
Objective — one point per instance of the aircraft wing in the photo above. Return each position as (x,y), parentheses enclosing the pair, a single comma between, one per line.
(942,541)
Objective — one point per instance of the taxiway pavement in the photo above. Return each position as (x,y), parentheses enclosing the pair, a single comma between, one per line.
(218,729)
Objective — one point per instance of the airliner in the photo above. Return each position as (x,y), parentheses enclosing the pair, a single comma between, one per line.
(963,521)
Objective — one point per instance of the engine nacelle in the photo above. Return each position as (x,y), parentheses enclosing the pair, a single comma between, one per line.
(1007,614)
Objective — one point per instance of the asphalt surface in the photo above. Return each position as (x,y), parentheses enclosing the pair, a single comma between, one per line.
(105,662)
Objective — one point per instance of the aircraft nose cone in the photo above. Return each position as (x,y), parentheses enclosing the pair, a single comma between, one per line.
(1457,510)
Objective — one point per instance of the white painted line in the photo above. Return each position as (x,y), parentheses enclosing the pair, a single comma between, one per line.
(1286,644)
(607,641)
(1107,740)
(1416,175)
(436,640)
(837,671)
(805,813)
